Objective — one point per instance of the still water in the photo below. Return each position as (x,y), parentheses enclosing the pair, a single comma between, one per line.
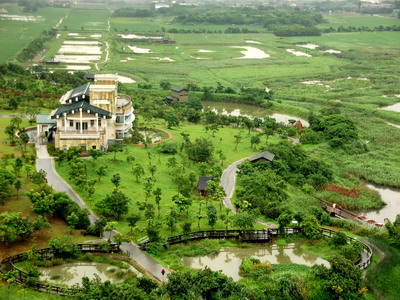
(250,111)
(228,260)
(73,272)
(391,197)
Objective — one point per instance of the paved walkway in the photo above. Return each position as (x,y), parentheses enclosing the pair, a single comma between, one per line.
(228,182)
(46,163)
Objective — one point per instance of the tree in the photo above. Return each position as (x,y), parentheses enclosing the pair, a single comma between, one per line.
(201,150)
(238,138)
(101,171)
(72,221)
(17,185)
(172,220)
(24,138)
(172,120)
(165,85)
(132,220)
(254,141)
(18,163)
(63,247)
(138,171)
(152,170)
(311,227)
(182,202)
(116,179)
(117,203)
(95,154)
(117,147)
(186,228)
(13,227)
(244,220)
(157,196)
(212,216)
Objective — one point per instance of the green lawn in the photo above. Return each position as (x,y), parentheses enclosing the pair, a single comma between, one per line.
(223,140)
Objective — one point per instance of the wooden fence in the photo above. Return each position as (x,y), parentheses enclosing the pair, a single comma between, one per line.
(8,264)
(264,235)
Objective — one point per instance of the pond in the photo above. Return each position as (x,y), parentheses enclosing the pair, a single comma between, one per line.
(391,197)
(394,107)
(250,111)
(154,136)
(73,272)
(228,260)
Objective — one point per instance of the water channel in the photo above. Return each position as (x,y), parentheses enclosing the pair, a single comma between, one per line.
(250,111)
(73,272)
(391,197)
(228,260)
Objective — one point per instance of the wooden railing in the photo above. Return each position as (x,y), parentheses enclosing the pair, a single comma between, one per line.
(8,264)
(264,235)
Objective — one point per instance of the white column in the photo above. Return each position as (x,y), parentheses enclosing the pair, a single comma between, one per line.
(97,123)
(65,122)
(80,115)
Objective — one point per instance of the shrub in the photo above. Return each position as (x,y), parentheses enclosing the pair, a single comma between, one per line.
(64,247)
(168,148)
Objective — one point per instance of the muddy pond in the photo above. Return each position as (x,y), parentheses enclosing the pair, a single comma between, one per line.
(228,260)
(250,111)
(391,197)
(73,272)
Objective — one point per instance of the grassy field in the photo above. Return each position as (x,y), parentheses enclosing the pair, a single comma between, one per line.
(356,20)
(92,20)
(4,142)
(383,278)
(15,35)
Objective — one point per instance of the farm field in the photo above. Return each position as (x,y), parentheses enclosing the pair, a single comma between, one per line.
(16,34)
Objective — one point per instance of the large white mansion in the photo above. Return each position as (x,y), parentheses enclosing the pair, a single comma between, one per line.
(93,115)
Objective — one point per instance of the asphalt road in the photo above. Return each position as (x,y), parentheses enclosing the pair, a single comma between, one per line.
(228,182)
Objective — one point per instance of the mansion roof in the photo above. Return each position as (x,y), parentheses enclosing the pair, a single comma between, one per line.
(78,93)
(85,106)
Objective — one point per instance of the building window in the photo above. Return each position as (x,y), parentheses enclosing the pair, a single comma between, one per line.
(63,123)
(83,147)
(71,123)
(99,122)
(91,123)
(94,147)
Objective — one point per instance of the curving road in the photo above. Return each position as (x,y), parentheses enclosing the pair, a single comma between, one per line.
(228,181)
(142,259)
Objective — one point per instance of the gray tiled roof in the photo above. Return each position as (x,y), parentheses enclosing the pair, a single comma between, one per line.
(44,119)
(266,155)
(86,107)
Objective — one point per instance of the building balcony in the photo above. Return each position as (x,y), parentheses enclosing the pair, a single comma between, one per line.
(123,101)
(77,135)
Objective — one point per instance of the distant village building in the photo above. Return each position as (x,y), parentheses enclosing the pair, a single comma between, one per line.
(93,116)
(178,94)
(202,185)
(263,156)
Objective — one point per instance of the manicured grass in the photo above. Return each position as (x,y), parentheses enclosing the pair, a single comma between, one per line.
(18,292)
(15,35)
(223,140)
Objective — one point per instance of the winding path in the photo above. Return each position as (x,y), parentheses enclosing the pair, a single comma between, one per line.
(142,259)
(228,182)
